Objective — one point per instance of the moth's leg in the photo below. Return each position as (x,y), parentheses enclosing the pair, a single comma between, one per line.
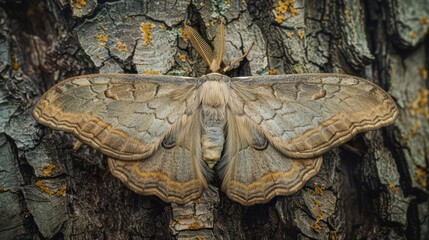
(352,149)
(237,59)
(76,145)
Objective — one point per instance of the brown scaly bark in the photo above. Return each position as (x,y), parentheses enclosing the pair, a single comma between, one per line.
(374,187)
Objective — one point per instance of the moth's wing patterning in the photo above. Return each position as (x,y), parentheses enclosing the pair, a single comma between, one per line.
(254,172)
(124,116)
(174,172)
(305,115)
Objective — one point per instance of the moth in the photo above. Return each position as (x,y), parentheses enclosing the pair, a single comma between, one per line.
(263,135)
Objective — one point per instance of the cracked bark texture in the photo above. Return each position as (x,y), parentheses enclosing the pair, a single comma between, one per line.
(373,187)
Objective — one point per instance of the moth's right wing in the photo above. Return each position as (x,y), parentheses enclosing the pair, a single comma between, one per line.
(124,116)
(305,115)
(279,126)
(254,172)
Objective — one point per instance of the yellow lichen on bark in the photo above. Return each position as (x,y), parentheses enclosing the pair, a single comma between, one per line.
(146,29)
(404,138)
(272,72)
(62,191)
(42,186)
(420,176)
(122,47)
(195,225)
(283,9)
(184,34)
(318,190)
(415,129)
(14,62)
(293,11)
(151,72)
(279,19)
(79,3)
(47,170)
(290,34)
(182,57)
(316,225)
(391,186)
(102,39)
(423,72)
(419,106)
(423,20)
(316,210)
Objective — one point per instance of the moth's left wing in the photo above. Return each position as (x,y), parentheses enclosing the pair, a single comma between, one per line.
(305,115)
(124,116)
(169,174)
(175,172)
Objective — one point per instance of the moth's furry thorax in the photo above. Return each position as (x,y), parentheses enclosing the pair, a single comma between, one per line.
(214,94)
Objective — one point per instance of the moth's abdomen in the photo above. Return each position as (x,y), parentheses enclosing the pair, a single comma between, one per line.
(213,99)
(212,139)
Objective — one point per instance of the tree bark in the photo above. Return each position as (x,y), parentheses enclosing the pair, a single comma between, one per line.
(373,187)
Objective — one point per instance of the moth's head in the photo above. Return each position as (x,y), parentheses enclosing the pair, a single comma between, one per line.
(215,66)
(216,77)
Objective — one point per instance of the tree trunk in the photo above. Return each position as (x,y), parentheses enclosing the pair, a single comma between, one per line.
(375,186)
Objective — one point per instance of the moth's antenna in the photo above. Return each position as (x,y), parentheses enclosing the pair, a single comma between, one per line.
(200,44)
(219,48)
(213,58)
(237,59)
